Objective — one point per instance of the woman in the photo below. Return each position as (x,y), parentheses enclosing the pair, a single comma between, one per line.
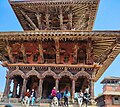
(66,96)
(80,98)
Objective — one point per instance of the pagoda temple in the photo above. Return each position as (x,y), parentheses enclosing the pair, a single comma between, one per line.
(57,47)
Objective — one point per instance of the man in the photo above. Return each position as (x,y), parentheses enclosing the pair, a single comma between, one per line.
(32,96)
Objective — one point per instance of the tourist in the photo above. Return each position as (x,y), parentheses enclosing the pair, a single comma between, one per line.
(32,96)
(80,98)
(27,97)
(54,92)
(9,96)
(8,105)
(66,96)
(59,96)
(86,97)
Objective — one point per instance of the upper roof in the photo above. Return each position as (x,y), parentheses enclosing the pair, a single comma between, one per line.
(29,13)
(110,80)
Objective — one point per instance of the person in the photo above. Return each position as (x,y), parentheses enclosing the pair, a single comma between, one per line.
(66,96)
(32,96)
(54,101)
(59,96)
(86,97)
(9,96)
(8,105)
(54,92)
(26,99)
(80,98)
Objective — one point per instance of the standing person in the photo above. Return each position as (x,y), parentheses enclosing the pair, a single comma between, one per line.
(54,92)
(66,96)
(59,96)
(32,96)
(86,97)
(80,98)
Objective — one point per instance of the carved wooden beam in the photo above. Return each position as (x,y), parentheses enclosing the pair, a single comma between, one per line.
(9,51)
(22,49)
(41,52)
(102,57)
(39,21)
(29,20)
(57,45)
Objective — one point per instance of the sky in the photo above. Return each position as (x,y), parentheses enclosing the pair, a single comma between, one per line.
(107,18)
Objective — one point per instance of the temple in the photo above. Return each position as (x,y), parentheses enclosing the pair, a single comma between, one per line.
(57,47)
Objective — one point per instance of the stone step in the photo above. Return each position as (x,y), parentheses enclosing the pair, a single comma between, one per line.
(37,105)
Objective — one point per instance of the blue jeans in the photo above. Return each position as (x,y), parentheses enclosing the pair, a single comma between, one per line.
(32,100)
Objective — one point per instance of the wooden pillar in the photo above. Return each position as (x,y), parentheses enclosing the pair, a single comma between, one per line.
(57,51)
(92,85)
(23,87)
(41,52)
(15,88)
(73,89)
(61,19)
(92,89)
(40,88)
(56,83)
(88,52)
(75,54)
(7,87)
(70,16)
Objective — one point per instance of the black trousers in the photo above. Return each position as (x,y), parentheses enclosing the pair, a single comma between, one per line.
(65,101)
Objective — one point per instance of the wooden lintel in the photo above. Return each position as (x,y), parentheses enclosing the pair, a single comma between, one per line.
(29,20)
(56,65)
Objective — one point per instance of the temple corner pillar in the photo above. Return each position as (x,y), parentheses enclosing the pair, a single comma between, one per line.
(40,88)
(73,89)
(23,87)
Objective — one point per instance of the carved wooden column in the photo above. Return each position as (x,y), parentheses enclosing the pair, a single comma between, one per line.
(61,19)
(22,49)
(92,85)
(56,83)
(23,87)
(41,52)
(9,51)
(70,16)
(39,20)
(73,89)
(89,51)
(15,88)
(75,53)
(57,51)
(7,86)
(40,88)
